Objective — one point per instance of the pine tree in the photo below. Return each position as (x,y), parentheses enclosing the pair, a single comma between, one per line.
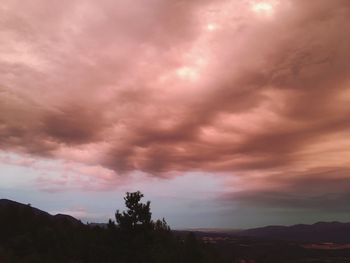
(138,215)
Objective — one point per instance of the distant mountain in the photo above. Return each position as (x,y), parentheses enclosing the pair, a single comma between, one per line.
(8,207)
(6,203)
(319,232)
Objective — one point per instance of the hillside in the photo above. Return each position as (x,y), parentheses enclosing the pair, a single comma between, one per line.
(9,208)
(319,232)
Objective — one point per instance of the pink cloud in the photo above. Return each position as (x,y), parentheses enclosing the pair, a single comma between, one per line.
(111,88)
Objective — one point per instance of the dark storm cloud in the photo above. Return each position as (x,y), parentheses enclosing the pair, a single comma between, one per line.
(320,190)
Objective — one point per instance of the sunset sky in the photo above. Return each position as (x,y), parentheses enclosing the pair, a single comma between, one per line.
(224,113)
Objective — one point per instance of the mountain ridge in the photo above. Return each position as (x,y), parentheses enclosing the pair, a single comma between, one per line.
(6,204)
(334,231)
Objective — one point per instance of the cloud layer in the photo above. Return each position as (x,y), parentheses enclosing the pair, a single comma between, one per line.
(254,90)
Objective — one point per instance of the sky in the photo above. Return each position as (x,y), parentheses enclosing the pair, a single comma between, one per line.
(225,113)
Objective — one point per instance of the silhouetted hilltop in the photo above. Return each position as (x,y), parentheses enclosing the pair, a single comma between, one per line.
(15,209)
(318,232)
(6,204)
(29,234)
(67,218)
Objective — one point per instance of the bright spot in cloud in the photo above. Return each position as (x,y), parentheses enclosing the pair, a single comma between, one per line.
(263,8)
(211,27)
(187,73)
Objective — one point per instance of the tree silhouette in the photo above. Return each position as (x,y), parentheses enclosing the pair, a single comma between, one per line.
(138,215)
